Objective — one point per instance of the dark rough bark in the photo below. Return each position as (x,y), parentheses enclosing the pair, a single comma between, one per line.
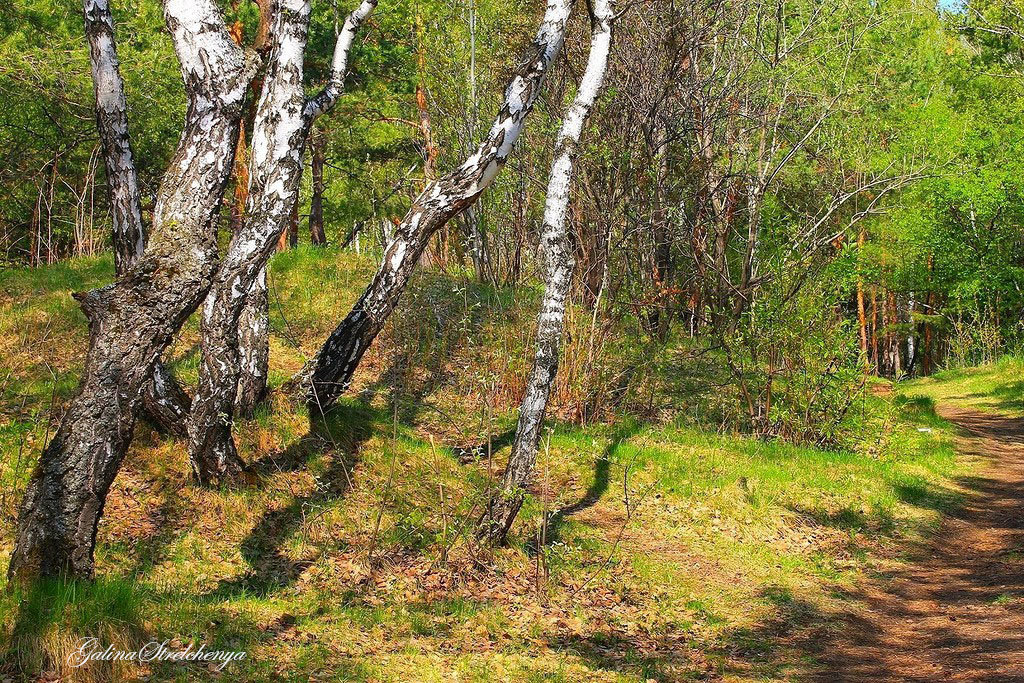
(555,242)
(283,120)
(317,148)
(112,126)
(166,404)
(132,321)
(329,374)
(253,348)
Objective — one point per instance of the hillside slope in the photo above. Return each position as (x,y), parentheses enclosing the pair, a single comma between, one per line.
(648,550)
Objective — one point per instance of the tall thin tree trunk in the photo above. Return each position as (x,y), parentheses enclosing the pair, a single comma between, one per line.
(254,323)
(876,362)
(112,125)
(861,314)
(479,249)
(504,506)
(132,321)
(437,254)
(928,363)
(317,148)
(280,132)
(661,248)
(329,374)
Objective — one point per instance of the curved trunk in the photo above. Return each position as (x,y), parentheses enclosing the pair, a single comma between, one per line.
(505,505)
(282,125)
(329,374)
(132,321)
(165,402)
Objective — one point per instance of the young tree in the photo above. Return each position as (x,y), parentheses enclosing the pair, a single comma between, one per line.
(329,374)
(280,132)
(559,260)
(133,320)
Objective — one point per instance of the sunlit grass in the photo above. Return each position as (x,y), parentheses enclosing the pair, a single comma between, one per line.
(997,387)
(673,552)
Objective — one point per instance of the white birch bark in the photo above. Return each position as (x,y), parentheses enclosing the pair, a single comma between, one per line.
(253,347)
(112,124)
(329,374)
(559,262)
(132,321)
(165,402)
(280,131)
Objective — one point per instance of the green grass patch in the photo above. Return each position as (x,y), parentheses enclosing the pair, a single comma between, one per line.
(673,553)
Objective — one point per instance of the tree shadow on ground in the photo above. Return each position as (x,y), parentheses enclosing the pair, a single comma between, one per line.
(339,435)
(953,607)
(773,649)
(598,486)
(149,550)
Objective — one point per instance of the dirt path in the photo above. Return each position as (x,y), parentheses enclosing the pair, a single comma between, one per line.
(957,613)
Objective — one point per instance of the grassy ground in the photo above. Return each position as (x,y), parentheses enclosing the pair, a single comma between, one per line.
(668,553)
(994,388)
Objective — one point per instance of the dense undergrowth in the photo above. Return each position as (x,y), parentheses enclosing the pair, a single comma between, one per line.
(658,546)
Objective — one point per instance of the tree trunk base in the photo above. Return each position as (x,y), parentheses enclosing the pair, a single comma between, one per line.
(495,523)
(215,461)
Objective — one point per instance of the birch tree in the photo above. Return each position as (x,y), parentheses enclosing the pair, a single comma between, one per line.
(559,262)
(165,403)
(280,132)
(254,323)
(253,347)
(112,125)
(132,321)
(328,375)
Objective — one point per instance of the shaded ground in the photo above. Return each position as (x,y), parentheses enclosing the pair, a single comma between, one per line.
(957,611)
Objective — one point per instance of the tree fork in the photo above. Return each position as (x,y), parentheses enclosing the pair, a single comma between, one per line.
(327,376)
(283,121)
(132,321)
(164,401)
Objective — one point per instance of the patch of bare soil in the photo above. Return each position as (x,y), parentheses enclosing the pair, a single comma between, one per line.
(956,612)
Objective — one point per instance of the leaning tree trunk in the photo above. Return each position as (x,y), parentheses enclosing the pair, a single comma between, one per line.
(505,505)
(282,125)
(329,374)
(112,125)
(132,321)
(165,402)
